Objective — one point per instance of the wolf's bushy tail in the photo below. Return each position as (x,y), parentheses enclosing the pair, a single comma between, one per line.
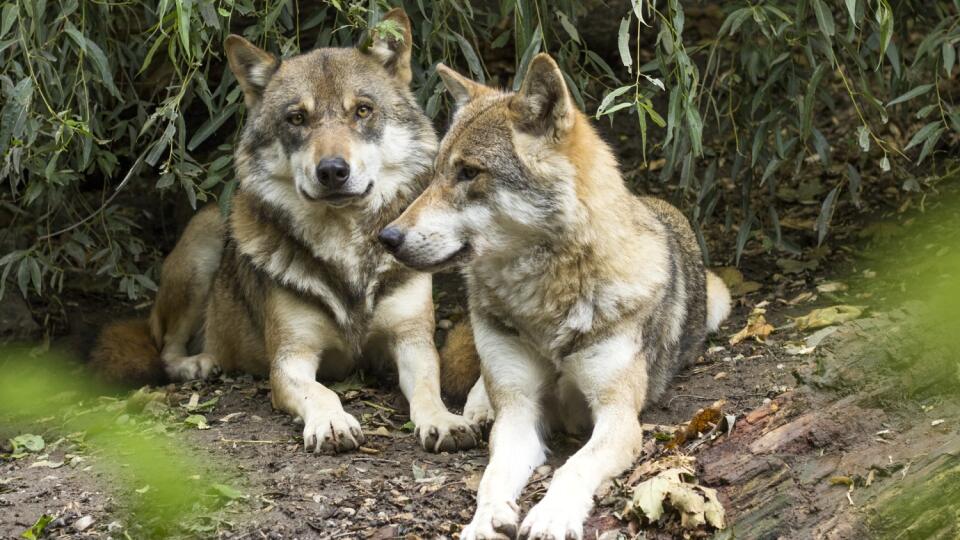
(718,301)
(459,363)
(126,353)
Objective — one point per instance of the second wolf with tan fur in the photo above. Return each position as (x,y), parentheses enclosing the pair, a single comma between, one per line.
(584,299)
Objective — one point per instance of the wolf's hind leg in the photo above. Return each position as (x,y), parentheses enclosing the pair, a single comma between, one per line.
(478,409)
(185,283)
(614,381)
(197,366)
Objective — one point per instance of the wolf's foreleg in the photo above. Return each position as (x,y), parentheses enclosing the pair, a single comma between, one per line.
(326,426)
(515,379)
(438,429)
(407,317)
(296,335)
(613,380)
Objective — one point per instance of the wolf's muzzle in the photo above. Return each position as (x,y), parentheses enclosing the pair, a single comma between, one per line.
(391,238)
(333,172)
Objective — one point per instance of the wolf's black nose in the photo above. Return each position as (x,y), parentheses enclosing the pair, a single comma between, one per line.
(333,172)
(391,238)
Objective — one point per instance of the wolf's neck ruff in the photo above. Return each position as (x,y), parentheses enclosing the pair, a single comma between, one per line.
(337,263)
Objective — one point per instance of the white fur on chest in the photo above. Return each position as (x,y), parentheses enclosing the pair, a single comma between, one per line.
(548,311)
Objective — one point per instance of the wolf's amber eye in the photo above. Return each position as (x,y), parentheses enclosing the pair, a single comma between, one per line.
(363,111)
(296,118)
(466,174)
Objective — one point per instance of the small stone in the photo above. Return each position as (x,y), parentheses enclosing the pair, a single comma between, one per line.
(83,523)
(445,324)
(720,376)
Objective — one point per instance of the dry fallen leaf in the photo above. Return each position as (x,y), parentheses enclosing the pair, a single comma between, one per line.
(832,287)
(697,505)
(47,464)
(702,422)
(757,327)
(735,281)
(819,318)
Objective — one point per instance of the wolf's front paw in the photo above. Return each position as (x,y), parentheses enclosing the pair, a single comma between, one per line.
(447,432)
(331,432)
(552,519)
(493,521)
(188,368)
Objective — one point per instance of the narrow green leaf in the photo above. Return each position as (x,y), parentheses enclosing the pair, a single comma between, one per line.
(809,100)
(608,99)
(638,10)
(654,115)
(854,181)
(617,107)
(501,40)
(824,18)
(568,26)
(23,276)
(929,144)
(695,125)
(7,17)
(210,126)
(532,49)
(473,61)
(863,138)
(885,20)
(922,134)
(852,11)
(746,226)
(822,146)
(183,24)
(918,91)
(623,42)
(826,215)
(949,57)
(226,197)
(36,530)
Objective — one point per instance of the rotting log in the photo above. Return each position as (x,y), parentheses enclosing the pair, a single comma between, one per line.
(853,452)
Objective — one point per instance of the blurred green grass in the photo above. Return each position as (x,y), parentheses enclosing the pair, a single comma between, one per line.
(163,485)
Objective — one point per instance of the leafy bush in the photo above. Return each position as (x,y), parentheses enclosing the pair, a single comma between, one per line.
(108,107)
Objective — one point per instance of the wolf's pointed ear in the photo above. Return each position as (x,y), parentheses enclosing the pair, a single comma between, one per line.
(461,88)
(543,105)
(252,66)
(391,45)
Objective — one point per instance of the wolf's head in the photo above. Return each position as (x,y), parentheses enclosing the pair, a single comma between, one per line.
(335,127)
(508,172)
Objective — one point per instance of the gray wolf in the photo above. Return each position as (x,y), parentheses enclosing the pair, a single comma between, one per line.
(295,282)
(584,299)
